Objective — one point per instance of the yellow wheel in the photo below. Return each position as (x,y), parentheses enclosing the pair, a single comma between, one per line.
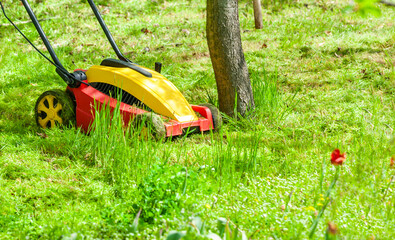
(54,108)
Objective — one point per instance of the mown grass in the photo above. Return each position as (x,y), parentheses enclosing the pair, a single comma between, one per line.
(322,80)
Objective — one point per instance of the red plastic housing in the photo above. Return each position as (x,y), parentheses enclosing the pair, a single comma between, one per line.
(86,97)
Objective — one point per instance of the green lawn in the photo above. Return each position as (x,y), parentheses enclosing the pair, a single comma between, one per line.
(322,80)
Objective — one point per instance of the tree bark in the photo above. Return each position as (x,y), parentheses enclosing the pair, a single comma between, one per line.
(258,14)
(227,57)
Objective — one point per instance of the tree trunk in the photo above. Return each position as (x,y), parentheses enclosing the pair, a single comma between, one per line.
(227,57)
(258,14)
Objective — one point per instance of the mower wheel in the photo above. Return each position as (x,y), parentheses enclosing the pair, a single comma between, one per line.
(217,118)
(149,125)
(54,108)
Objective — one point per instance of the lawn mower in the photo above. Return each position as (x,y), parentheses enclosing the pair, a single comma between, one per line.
(145,95)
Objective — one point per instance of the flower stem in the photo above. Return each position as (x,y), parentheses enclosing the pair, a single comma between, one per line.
(327,202)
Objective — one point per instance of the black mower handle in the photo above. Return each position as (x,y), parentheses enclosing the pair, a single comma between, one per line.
(42,34)
(107,32)
(76,78)
(123,60)
(72,79)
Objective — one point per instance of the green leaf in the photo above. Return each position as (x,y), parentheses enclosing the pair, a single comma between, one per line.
(175,235)
(243,235)
(136,222)
(221,223)
(366,7)
(213,236)
(197,221)
(228,231)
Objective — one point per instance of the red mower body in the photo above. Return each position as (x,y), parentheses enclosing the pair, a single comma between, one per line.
(86,97)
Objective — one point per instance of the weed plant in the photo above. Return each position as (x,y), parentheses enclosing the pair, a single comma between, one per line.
(322,79)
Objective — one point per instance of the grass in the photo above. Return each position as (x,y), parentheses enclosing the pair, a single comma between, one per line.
(322,80)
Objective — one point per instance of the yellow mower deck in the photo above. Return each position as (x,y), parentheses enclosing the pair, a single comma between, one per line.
(156,92)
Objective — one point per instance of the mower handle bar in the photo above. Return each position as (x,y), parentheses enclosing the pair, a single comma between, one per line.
(71,79)
(107,32)
(42,34)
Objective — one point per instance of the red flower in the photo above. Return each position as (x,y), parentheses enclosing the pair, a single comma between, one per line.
(392,162)
(338,158)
